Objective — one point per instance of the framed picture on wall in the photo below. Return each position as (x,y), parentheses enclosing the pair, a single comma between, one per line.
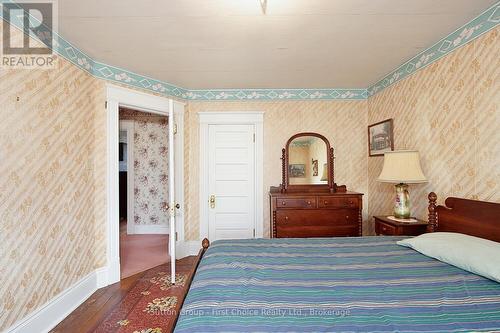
(297,170)
(380,137)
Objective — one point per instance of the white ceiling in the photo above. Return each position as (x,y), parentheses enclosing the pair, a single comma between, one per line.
(207,44)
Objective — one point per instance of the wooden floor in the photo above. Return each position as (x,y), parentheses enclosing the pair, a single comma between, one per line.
(141,252)
(88,316)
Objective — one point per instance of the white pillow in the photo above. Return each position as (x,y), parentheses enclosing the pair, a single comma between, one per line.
(473,254)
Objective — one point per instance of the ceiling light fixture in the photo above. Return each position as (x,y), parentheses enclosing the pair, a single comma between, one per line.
(263,6)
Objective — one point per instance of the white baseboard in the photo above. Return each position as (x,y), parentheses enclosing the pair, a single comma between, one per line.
(187,248)
(144,229)
(102,277)
(53,312)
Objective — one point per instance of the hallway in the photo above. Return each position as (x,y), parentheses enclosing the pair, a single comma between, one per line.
(141,252)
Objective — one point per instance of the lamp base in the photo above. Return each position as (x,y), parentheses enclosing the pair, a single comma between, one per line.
(402,202)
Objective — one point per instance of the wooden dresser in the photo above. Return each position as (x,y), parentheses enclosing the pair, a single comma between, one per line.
(309,203)
(315,214)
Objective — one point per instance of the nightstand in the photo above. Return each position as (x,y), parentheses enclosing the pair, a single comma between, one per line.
(385,226)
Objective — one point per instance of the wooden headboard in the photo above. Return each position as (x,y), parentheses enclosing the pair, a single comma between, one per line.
(471,217)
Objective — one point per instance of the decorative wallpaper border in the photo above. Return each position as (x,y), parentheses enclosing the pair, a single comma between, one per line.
(486,21)
(274,94)
(468,32)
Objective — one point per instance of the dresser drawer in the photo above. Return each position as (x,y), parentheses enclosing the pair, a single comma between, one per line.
(385,226)
(303,202)
(316,223)
(316,217)
(336,202)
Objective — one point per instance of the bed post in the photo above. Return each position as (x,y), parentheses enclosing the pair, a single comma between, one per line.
(284,170)
(432,226)
(205,244)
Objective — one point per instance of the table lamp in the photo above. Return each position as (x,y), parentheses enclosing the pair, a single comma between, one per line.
(402,167)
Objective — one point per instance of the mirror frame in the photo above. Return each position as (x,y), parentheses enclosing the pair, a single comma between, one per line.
(330,186)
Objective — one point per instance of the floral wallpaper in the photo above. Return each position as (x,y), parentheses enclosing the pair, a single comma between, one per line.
(52,185)
(449,112)
(344,123)
(150,166)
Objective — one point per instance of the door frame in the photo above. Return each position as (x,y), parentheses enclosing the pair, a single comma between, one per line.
(116,97)
(255,118)
(128,126)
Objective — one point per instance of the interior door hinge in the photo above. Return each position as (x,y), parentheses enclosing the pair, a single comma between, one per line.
(176,236)
(253,233)
(106,104)
(254,137)
(175,128)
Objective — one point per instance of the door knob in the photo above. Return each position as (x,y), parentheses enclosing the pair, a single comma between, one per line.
(212,201)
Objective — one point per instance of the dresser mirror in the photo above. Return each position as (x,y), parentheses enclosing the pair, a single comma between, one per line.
(308,163)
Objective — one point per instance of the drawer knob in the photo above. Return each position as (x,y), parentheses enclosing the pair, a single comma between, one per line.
(309,202)
(325,202)
(384,228)
(283,203)
(347,217)
(286,218)
(351,202)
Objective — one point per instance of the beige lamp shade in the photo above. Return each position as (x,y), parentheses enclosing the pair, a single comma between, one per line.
(402,166)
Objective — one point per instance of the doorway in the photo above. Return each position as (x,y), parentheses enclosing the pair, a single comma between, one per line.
(143,190)
(128,98)
(231,179)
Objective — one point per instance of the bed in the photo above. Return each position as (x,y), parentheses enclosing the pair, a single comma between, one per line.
(367,284)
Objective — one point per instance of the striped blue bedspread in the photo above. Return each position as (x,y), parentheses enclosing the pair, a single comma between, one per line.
(366,284)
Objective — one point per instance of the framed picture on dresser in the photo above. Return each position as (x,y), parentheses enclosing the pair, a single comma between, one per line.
(380,137)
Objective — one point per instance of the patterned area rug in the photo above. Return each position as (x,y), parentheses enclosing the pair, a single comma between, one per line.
(151,305)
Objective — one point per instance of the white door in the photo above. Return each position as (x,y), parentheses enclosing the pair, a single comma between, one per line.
(231,183)
(171,188)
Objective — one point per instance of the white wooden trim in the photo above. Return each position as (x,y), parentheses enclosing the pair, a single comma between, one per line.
(116,97)
(259,177)
(112,209)
(217,118)
(255,118)
(151,229)
(51,313)
(128,126)
(203,195)
(138,100)
(179,169)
